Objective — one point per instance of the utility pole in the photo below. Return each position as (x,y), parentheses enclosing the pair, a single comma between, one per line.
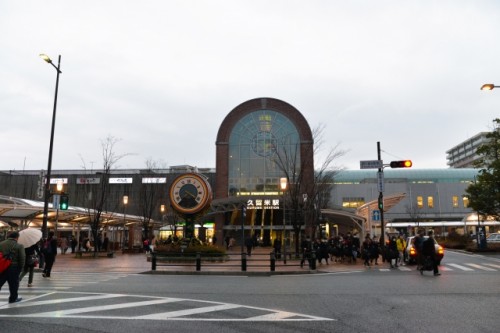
(381,198)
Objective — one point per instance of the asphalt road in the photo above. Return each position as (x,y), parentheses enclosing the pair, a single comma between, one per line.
(464,299)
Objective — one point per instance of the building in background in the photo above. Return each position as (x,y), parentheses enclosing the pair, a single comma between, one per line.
(464,154)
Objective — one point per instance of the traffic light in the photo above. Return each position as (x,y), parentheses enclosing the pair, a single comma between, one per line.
(401,164)
(380,204)
(63,202)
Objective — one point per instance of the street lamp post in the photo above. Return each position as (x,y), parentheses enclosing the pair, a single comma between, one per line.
(47,192)
(125,202)
(283,185)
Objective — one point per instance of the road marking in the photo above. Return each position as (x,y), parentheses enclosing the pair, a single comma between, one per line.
(461,267)
(404,269)
(214,311)
(444,268)
(493,265)
(188,312)
(481,267)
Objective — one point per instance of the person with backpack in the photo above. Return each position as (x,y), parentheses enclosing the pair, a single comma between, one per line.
(49,251)
(429,253)
(32,255)
(11,248)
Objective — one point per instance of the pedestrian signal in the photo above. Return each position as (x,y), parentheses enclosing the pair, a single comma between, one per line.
(401,164)
(63,202)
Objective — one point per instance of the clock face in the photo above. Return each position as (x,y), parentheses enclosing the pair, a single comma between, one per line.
(190,193)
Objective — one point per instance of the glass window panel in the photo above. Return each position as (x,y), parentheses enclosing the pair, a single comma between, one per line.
(420,202)
(430,202)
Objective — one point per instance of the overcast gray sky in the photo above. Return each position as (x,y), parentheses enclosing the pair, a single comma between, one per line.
(162,75)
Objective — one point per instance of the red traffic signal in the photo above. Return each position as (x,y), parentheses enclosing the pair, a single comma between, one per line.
(401,164)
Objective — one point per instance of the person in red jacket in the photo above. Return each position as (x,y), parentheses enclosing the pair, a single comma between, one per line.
(11,274)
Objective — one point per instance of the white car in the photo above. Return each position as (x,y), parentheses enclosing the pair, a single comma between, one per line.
(493,238)
(411,251)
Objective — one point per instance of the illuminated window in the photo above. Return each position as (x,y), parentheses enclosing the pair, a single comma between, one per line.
(352,202)
(420,202)
(454,201)
(465,200)
(430,202)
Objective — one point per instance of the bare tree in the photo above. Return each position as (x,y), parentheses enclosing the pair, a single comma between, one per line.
(150,196)
(304,197)
(99,193)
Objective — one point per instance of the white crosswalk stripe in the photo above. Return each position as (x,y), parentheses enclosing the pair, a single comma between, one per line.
(460,267)
(481,267)
(114,306)
(450,267)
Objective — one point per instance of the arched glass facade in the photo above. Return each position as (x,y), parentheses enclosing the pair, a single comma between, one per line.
(260,145)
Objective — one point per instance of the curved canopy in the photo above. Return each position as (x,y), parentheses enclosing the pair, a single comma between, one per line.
(19,212)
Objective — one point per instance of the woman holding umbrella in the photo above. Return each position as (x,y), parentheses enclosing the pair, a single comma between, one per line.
(30,239)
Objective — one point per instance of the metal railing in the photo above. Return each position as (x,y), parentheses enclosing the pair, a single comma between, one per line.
(244,262)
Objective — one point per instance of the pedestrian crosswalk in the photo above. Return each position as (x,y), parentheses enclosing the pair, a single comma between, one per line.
(60,281)
(450,267)
(101,306)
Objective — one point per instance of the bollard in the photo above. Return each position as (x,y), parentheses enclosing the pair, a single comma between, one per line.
(243,262)
(273,262)
(198,261)
(153,262)
(312,262)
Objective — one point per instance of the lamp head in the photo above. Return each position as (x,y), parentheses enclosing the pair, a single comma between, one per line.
(488,86)
(283,183)
(46,58)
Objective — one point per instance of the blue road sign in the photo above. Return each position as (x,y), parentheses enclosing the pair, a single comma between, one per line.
(376,215)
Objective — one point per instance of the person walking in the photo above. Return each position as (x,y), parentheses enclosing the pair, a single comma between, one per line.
(277,247)
(365,252)
(73,243)
(11,274)
(429,253)
(418,242)
(64,245)
(374,251)
(392,252)
(401,245)
(49,251)
(305,245)
(249,245)
(32,255)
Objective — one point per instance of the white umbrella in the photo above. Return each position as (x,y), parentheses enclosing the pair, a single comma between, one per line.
(28,237)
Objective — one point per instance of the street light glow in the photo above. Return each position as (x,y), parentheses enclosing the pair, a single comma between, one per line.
(45,57)
(489,86)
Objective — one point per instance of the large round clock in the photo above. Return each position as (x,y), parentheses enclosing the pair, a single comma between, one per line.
(190,193)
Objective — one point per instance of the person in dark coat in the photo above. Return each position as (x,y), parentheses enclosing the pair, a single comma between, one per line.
(249,245)
(49,251)
(29,266)
(306,248)
(11,274)
(277,247)
(392,252)
(429,253)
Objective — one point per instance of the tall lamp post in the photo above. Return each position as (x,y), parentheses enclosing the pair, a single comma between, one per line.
(283,185)
(125,202)
(47,193)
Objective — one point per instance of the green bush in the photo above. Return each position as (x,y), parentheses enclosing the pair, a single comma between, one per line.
(453,241)
(176,248)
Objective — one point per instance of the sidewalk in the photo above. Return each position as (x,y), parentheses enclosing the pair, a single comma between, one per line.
(257,264)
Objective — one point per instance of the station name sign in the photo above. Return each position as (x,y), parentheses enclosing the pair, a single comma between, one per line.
(263,204)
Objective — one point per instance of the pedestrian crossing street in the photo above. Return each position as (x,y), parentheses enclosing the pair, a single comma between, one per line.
(450,267)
